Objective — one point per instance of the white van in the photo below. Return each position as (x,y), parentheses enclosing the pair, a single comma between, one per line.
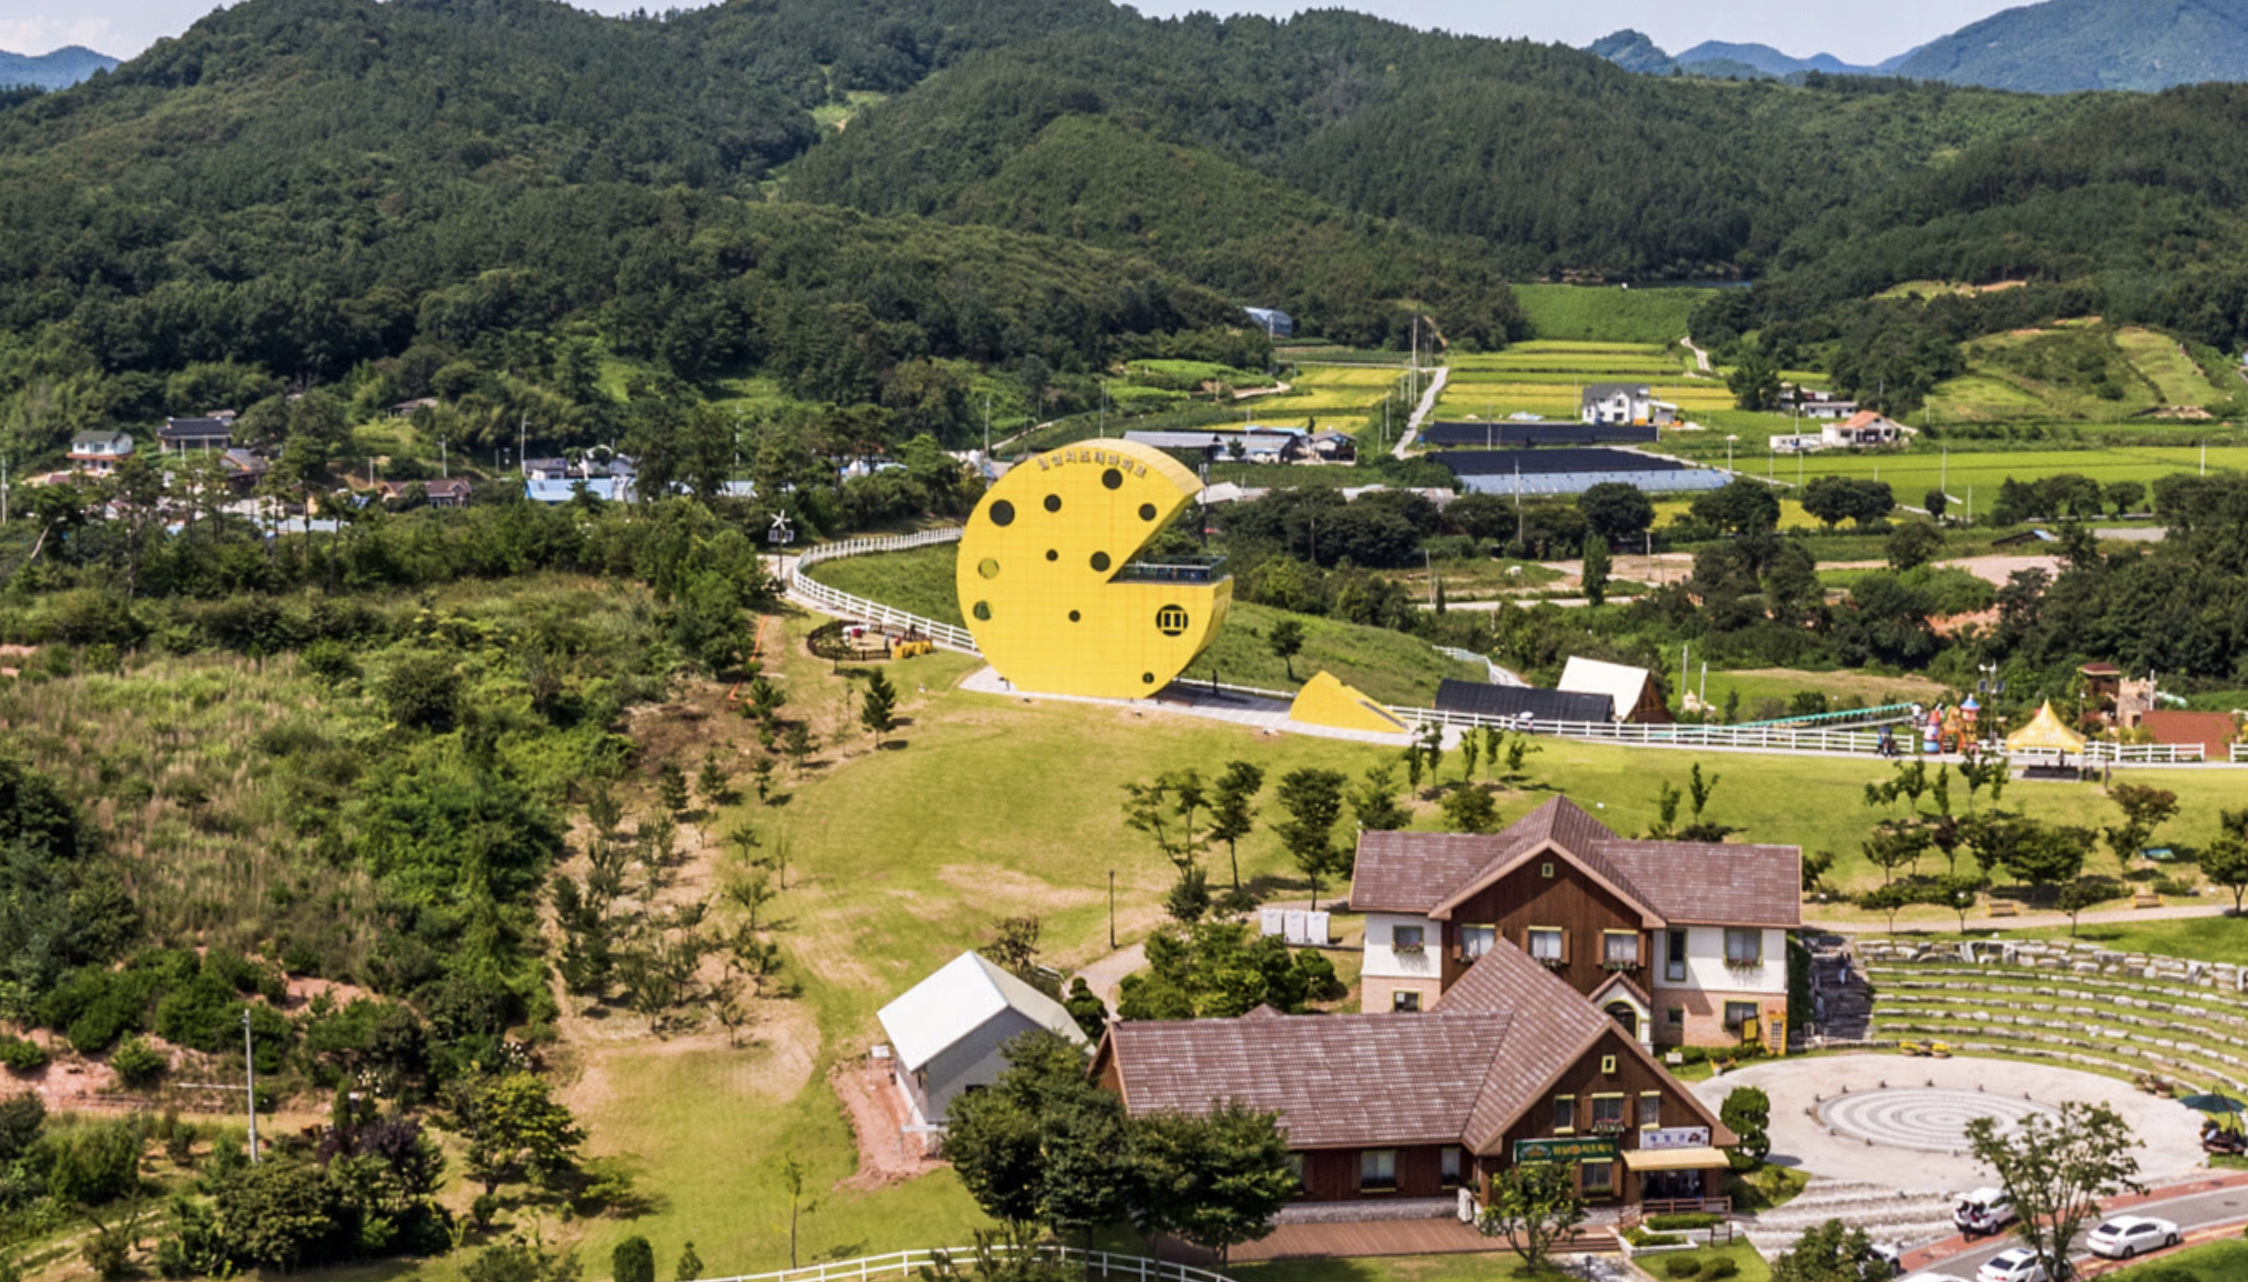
(1982,1212)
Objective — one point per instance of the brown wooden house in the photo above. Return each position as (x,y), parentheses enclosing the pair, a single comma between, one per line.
(1512,1066)
(1681,942)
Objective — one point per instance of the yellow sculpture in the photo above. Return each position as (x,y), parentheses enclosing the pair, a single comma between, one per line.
(1049,587)
(1326,701)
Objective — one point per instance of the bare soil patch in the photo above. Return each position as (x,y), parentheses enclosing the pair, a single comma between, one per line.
(887,1154)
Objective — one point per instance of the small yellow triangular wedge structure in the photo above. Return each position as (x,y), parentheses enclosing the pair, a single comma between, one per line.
(1326,701)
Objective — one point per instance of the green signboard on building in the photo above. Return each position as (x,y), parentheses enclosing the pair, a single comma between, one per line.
(1597,1148)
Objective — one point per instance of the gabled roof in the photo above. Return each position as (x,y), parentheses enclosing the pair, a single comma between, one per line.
(1484,699)
(1623,981)
(99,438)
(1601,391)
(960,997)
(196,429)
(1622,684)
(1667,882)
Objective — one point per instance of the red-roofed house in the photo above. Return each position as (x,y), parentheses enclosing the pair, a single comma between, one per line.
(1680,942)
(1511,1066)
(2214,731)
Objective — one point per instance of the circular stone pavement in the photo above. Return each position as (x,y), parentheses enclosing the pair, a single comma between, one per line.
(1916,1117)
(1897,1122)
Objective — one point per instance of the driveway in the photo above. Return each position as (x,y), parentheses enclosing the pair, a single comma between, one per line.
(2219,1200)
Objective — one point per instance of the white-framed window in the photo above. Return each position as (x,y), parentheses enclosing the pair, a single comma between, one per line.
(1406,939)
(1564,1114)
(1744,946)
(1674,956)
(1597,1179)
(1651,1109)
(1454,1163)
(1477,940)
(1405,1000)
(1739,1015)
(1377,1170)
(1545,943)
(1608,1110)
(1619,948)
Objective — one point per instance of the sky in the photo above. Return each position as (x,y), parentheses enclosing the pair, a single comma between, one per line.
(1849,29)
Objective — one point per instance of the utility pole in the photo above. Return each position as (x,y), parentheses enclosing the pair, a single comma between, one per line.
(987,427)
(523,445)
(3,490)
(444,461)
(1112,884)
(250,1078)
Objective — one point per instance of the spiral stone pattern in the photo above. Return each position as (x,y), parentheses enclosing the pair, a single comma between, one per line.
(1929,1120)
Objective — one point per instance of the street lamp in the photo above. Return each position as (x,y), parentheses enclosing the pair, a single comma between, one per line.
(1729,452)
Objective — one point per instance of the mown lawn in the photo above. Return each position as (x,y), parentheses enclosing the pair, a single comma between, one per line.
(1606,313)
(2217,1262)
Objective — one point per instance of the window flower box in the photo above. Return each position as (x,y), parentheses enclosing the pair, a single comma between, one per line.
(1620,964)
(1553,963)
(1408,950)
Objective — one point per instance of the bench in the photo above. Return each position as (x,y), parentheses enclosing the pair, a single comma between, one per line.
(2063,774)
(2146,899)
(2003,908)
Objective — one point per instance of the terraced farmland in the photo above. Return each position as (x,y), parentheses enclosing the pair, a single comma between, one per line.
(1545,378)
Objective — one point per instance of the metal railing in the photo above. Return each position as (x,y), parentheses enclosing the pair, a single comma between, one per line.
(905,1263)
(820,596)
(1847,716)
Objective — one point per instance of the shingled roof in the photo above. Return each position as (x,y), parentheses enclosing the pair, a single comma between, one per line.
(1461,1073)
(1671,882)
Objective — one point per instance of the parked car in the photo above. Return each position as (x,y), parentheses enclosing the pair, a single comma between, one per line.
(1982,1212)
(2128,1235)
(2015,1264)
(1888,1253)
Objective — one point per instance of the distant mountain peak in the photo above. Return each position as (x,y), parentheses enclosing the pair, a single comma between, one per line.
(57,70)
(2066,45)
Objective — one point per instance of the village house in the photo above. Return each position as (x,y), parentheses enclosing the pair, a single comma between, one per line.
(99,453)
(451,492)
(1624,403)
(1862,430)
(1677,942)
(1510,1066)
(210,432)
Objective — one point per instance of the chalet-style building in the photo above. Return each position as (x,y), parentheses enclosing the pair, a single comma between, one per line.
(1511,1065)
(99,453)
(1678,942)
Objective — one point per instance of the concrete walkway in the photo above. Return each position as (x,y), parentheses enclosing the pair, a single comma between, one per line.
(1268,715)
(2168,1132)
(1422,411)
(1106,976)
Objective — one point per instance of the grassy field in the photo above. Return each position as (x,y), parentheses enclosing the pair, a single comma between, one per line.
(1390,666)
(1545,378)
(1757,686)
(1612,314)
(1912,473)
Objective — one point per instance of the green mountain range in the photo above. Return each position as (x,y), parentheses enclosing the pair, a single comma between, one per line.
(57,70)
(2066,45)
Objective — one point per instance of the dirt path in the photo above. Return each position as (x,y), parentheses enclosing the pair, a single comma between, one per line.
(887,1154)
(1993,569)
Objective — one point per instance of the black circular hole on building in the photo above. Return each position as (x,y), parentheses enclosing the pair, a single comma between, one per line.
(1100,561)
(1147,511)
(1113,479)
(1052,555)
(1074,616)
(1147,678)
(1002,513)
(1053,502)
(982,612)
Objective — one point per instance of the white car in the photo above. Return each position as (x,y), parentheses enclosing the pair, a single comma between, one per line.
(2127,1235)
(2015,1264)
(1983,1211)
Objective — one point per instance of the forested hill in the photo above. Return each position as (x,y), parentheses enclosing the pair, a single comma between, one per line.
(2065,45)
(1558,160)
(57,70)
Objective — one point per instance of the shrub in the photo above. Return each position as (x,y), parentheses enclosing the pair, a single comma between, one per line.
(633,1260)
(138,1064)
(1683,1266)
(21,1056)
(1721,1267)
(1687,1220)
(331,661)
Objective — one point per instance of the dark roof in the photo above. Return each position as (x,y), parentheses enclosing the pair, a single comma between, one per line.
(1461,1073)
(1487,462)
(1483,699)
(1679,882)
(1594,391)
(1521,434)
(196,429)
(98,438)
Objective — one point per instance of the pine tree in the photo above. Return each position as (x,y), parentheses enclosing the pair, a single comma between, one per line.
(878,708)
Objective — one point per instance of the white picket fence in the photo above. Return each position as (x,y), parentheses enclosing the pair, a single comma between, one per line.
(906,1263)
(2098,752)
(1767,738)
(820,596)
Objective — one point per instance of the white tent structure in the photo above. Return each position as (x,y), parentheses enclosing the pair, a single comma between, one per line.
(1625,686)
(947,1031)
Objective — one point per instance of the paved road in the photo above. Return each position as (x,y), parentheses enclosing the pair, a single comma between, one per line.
(2193,1206)
(1422,410)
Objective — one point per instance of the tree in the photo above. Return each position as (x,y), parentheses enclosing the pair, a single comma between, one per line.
(1533,1206)
(1831,1252)
(515,1129)
(2056,1168)
(1086,1175)
(1314,801)
(1937,502)
(1741,506)
(1595,576)
(1014,943)
(1286,639)
(2126,496)
(712,781)
(2144,809)
(1698,793)
(1747,1112)
(1913,544)
(2225,863)
(1755,383)
(2049,856)
(1232,816)
(1086,1007)
(1895,844)
(1165,809)
(1374,802)
(1617,512)
(1214,1181)
(633,1260)
(878,707)
(2081,894)
(793,1181)
(798,743)
(277,1214)
(671,787)
(1469,809)
(690,1266)
(1888,898)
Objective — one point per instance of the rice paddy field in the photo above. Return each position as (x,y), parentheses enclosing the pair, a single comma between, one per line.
(1914,473)
(1546,377)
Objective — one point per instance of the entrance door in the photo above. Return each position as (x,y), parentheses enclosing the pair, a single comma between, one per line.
(1623,1014)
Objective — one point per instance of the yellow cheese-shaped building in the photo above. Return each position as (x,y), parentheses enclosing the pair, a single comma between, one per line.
(1049,586)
